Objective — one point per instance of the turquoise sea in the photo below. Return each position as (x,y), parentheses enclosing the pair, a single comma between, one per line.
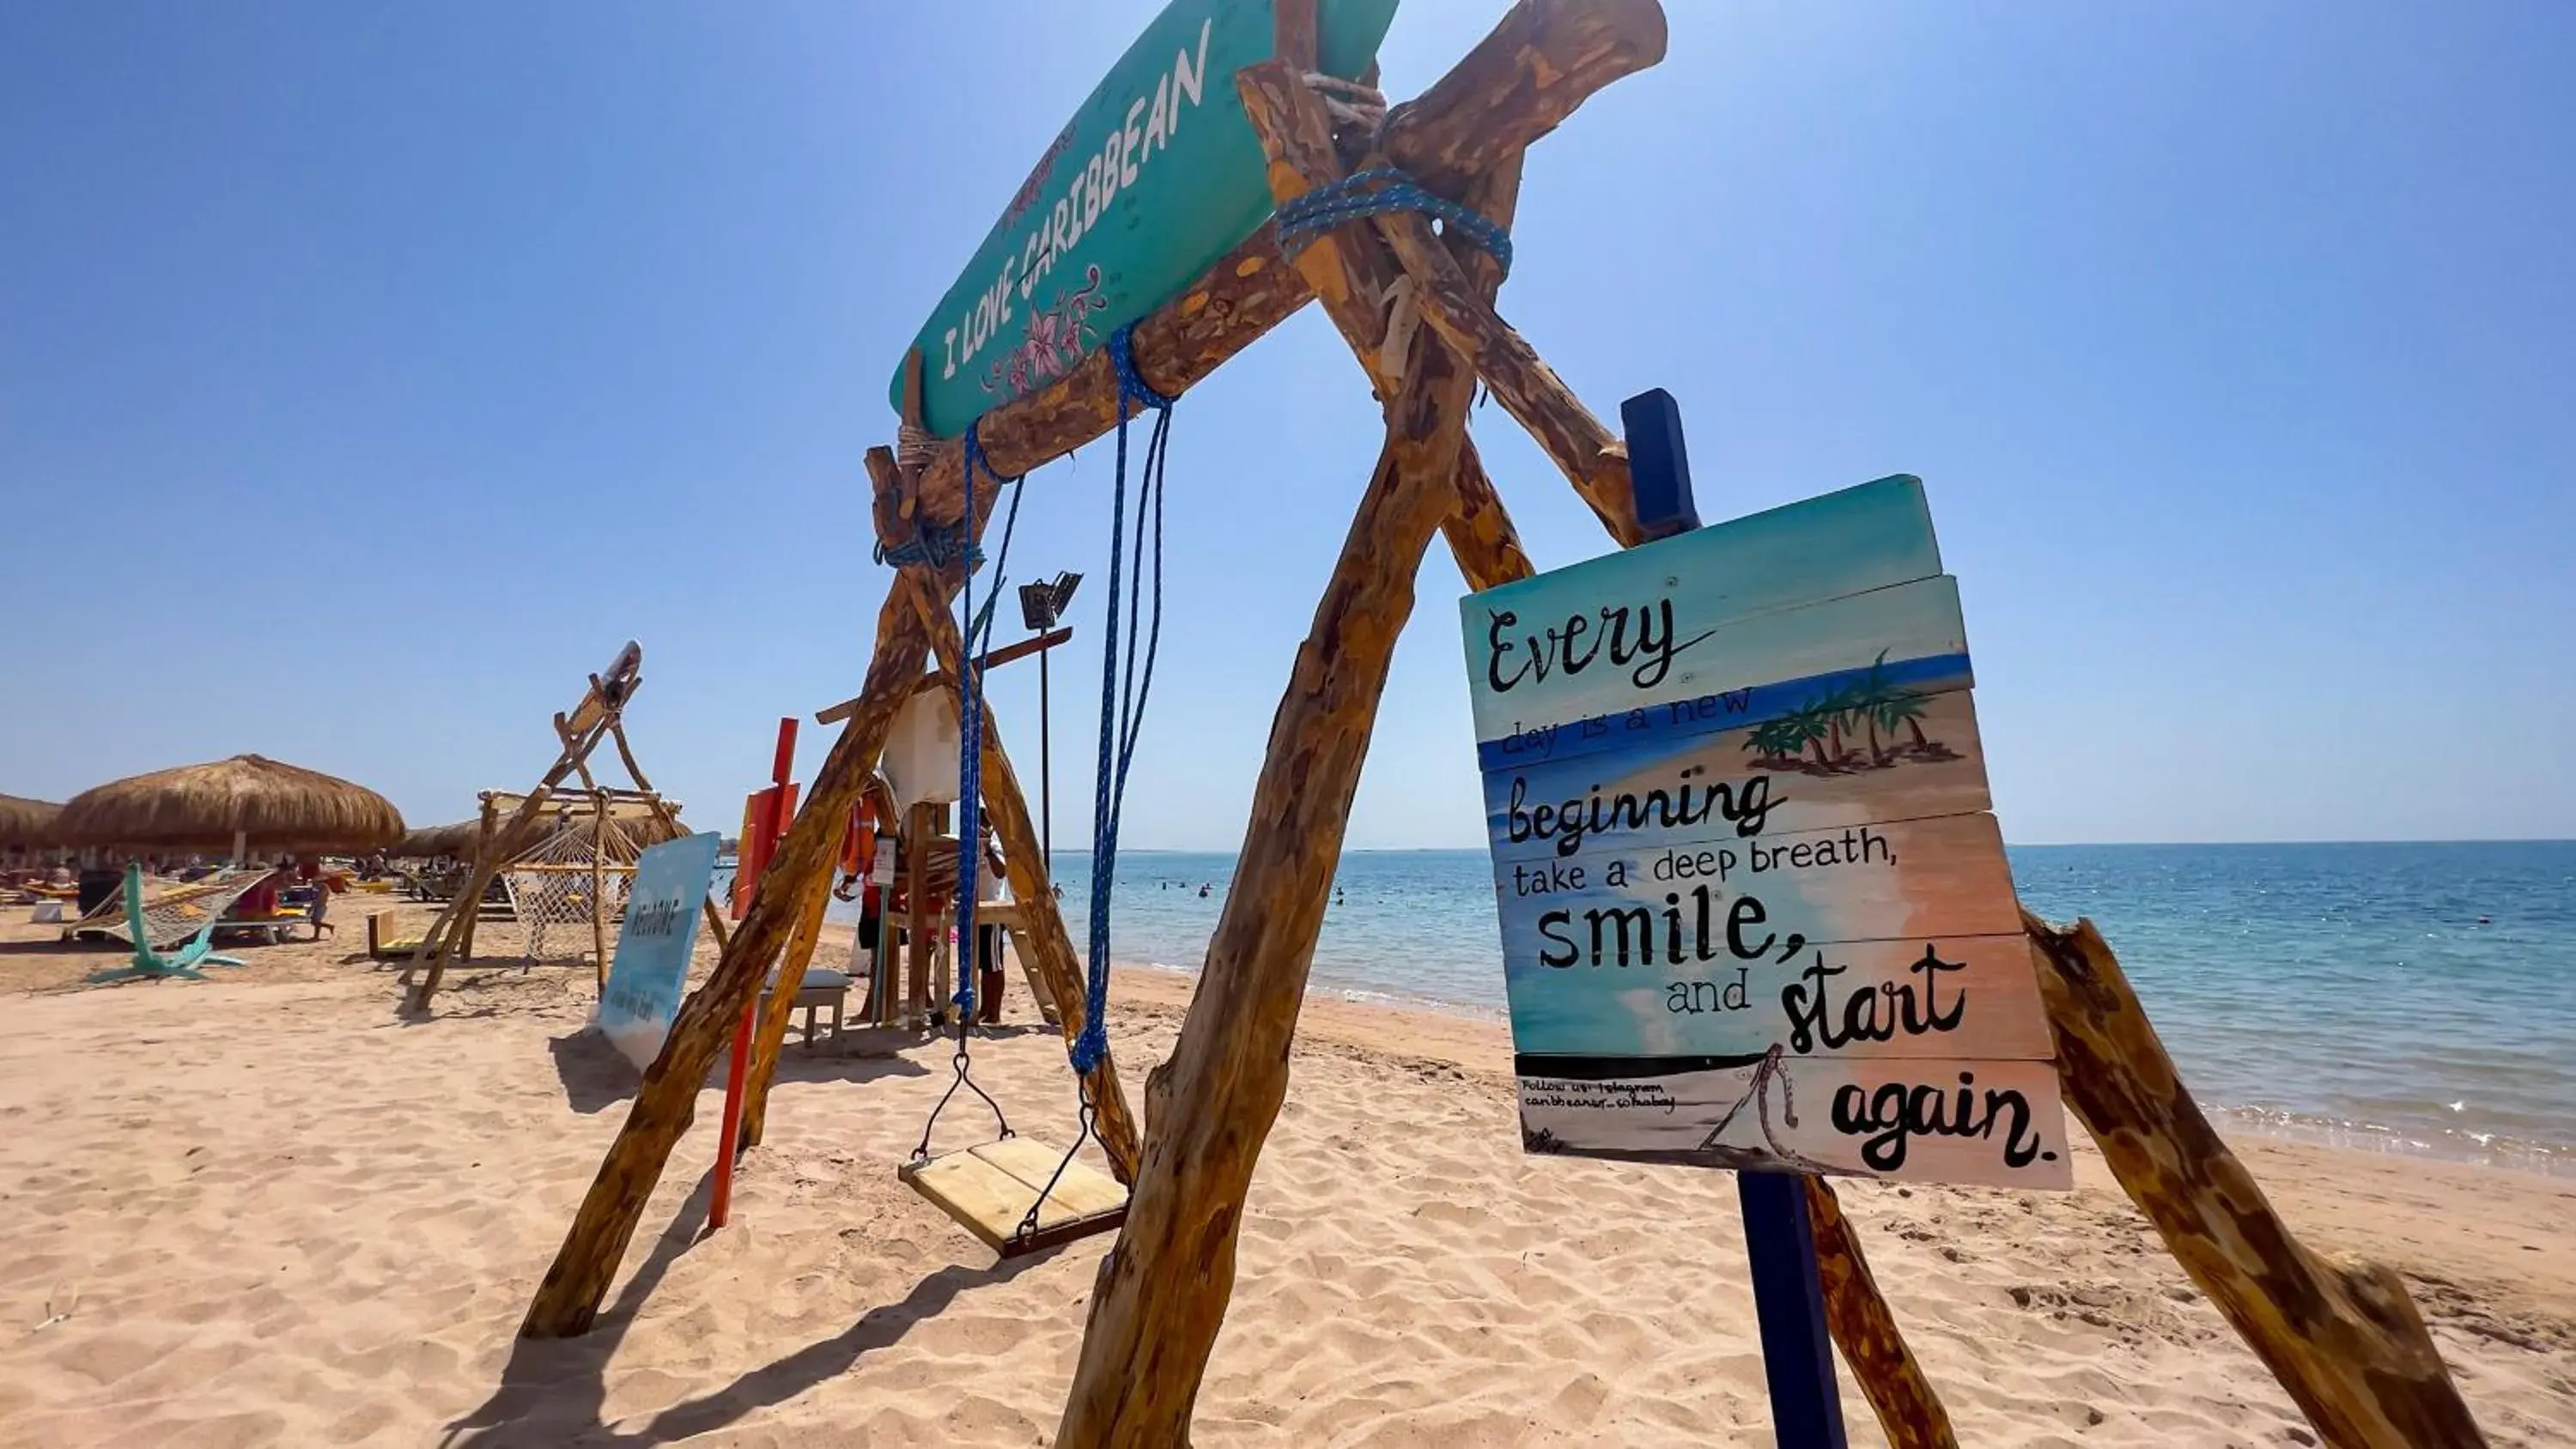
(2407,997)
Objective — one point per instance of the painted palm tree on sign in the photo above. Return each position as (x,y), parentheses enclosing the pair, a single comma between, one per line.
(1872,710)
(1813,730)
(1866,699)
(1904,707)
(1775,742)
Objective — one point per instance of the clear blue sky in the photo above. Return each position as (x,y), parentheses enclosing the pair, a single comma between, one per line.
(368,373)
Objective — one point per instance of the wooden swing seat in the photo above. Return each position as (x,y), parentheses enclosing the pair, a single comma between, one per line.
(987,1188)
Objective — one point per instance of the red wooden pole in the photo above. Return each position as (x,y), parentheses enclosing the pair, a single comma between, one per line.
(771,810)
(720,1204)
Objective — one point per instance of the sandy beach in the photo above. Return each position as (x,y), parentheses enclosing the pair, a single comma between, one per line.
(263,1210)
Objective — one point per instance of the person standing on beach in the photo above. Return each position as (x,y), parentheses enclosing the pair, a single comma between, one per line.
(988,938)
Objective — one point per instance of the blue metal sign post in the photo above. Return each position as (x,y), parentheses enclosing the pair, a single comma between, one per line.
(1788,1292)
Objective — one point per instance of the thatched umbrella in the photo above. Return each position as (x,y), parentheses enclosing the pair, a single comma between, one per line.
(277,807)
(457,839)
(27,824)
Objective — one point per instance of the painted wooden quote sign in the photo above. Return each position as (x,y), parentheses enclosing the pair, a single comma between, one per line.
(1157,175)
(651,968)
(1755,912)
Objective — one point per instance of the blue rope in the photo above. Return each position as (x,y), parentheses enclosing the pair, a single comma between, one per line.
(1376,192)
(970,734)
(935,545)
(1122,693)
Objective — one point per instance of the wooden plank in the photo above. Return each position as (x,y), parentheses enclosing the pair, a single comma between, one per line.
(1738,900)
(1956,1120)
(1924,758)
(1082,1188)
(1906,998)
(985,1200)
(1751,857)
(1013,653)
(1673,592)
(986,1188)
(1658,673)
(1007,654)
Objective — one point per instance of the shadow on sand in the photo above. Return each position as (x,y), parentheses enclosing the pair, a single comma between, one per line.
(594,1074)
(596,1077)
(553,1391)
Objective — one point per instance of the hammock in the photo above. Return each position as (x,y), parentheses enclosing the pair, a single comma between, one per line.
(175,915)
(549,885)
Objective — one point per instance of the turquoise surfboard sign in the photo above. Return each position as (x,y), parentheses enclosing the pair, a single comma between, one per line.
(1157,175)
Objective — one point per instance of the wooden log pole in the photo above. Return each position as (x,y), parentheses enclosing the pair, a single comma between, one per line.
(1048,947)
(449,933)
(1479,529)
(1163,1290)
(769,1041)
(666,1100)
(1356,277)
(454,930)
(1592,457)
(599,886)
(1361,274)
(1294,32)
(1352,272)
(1901,1395)
(2342,1337)
(1542,61)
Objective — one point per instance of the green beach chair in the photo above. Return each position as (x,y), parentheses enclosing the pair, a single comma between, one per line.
(151,965)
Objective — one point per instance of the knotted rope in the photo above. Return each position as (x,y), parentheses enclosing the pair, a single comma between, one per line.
(1379,191)
(939,545)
